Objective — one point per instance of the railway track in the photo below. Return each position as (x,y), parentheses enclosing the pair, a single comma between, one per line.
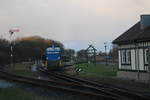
(67,87)
(101,88)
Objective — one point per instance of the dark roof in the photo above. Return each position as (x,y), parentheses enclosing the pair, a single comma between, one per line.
(134,34)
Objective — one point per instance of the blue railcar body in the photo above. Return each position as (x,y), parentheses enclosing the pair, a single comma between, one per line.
(53,53)
(53,57)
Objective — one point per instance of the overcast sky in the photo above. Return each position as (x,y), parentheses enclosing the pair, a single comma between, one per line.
(75,23)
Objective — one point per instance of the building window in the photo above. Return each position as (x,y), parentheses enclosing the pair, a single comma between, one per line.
(123,53)
(126,57)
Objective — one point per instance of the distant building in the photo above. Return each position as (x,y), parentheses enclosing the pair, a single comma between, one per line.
(132,50)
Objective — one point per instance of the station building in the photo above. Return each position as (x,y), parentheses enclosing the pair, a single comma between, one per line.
(133,50)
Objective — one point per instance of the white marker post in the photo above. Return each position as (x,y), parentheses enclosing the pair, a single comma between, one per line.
(11,31)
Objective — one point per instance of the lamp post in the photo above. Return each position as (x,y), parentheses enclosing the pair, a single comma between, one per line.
(11,32)
(105,45)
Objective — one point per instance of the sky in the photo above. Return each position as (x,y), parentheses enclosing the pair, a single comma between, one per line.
(75,23)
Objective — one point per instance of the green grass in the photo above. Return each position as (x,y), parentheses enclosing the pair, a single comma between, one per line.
(23,69)
(18,94)
(98,70)
(106,74)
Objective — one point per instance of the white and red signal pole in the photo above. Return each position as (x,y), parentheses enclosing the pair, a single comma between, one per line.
(11,32)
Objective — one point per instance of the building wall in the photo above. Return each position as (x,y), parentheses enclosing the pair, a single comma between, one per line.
(119,59)
(141,59)
(138,68)
(137,56)
(144,77)
(133,59)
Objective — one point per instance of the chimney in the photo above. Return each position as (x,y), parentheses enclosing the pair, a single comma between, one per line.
(145,21)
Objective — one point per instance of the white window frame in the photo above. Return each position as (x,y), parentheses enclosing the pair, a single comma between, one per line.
(125,57)
(146,56)
(128,56)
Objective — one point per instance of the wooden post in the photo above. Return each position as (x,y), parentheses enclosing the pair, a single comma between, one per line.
(137,60)
(138,63)
(11,50)
(149,66)
(93,56)
(11,32)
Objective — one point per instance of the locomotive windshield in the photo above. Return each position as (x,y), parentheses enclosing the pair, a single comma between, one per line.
(53,53)
(52,49)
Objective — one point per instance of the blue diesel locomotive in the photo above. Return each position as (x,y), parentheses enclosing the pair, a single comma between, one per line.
(53,58)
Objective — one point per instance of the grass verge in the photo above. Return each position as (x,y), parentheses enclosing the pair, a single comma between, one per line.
(23,69)
(106,74)
(97,70)
(18,94)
